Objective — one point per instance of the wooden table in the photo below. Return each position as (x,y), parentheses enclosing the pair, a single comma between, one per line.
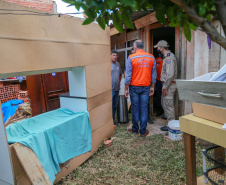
(197,127)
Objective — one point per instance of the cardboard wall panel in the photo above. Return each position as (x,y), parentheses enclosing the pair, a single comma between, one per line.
(102,133)
(44,43)
(25,56)
(98,78)
(99,99)
(55,28)
(100,115)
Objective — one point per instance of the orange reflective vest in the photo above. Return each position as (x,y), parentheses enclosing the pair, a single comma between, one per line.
(159,63)
(142,64)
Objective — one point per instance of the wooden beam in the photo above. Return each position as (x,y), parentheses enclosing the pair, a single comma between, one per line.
(156,25)
(190,159)
(204,129)
(31,165)
(145,21)
(133,35)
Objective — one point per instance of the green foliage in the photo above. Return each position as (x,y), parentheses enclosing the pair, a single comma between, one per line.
(126,17)
(117,21)
(187,31)
(120,12)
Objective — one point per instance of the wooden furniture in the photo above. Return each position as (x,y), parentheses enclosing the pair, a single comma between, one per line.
(197,127)
(44,91)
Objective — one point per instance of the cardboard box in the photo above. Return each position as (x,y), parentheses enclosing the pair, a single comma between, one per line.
(211,113)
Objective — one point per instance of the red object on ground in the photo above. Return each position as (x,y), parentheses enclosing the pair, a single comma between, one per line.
(108,143)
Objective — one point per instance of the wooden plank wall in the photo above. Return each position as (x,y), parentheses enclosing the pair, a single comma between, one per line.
(181,56)
(200,59)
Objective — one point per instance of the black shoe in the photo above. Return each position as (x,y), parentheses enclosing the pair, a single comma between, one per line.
(117,124)
(150,121)
(163,117)
(165,128)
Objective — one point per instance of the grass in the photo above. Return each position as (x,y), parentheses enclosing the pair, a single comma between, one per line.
(135,160)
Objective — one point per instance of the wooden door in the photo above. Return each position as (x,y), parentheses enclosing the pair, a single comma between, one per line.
(54,84)
(43,91)
(36,94)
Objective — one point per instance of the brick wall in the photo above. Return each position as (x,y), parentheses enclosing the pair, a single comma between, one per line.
(45,5)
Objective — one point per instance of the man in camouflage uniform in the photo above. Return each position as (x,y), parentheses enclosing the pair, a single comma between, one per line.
(169,73)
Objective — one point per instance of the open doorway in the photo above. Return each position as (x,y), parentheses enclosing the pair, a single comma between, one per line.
(161,33)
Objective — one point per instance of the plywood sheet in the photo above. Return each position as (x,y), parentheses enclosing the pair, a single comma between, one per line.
(99,99)
(52,28)
(31,165)
(43,43)
(201,57)
(24,56)
(98,78)
(102,133)
(209,112)
(17,167)
(100,115)
(145,21)
(204,129)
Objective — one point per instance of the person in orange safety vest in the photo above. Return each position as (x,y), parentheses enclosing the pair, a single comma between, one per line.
(140,79)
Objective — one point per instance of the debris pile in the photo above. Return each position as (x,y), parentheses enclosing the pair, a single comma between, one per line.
(23,112)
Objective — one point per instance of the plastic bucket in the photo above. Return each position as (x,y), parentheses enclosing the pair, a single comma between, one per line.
(174,130)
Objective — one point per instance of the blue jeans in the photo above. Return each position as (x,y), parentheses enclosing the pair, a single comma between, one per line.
(115,98)
(139,96)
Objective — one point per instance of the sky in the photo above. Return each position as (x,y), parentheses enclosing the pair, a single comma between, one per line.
(62,8)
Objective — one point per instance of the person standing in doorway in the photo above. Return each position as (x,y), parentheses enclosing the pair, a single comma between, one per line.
(158,85)
(168,75)
(140,79)
(116,75)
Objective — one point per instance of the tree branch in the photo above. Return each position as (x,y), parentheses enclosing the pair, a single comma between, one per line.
(202,22)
